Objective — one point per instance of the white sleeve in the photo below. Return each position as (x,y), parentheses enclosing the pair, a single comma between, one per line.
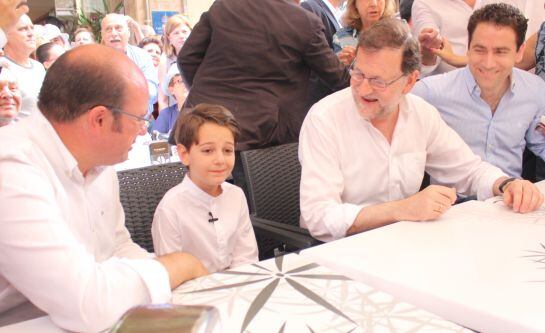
(167,237)
(3,38)
(245,250)
(322,182)
(423,16)
(452,163)
(43,259)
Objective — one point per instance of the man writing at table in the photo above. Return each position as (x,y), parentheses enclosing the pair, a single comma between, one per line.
(63,245)
(364,150)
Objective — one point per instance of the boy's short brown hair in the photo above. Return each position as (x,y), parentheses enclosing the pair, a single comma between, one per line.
(186,132)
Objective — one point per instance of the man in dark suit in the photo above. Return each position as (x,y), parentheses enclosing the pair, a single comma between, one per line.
(328,12)
(330,19)
(255,58)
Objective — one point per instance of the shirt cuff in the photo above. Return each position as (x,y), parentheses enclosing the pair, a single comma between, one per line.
(485,190)
(338,225)
(155,277)
(3,38)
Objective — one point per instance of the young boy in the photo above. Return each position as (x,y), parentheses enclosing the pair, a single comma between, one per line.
(204,215)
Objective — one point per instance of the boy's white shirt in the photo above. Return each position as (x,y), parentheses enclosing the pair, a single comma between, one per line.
(181,223)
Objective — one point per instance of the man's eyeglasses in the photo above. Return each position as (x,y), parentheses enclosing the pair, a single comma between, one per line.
(374,82)
(143,120)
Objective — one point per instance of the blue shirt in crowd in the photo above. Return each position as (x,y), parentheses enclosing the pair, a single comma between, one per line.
(497,138)
(143,60)
(167,119)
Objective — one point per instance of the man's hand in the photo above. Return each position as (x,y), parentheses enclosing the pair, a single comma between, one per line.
(181,267)
(430,38)
(447,54)
(347,55)
(427,204)
(522,196)
(10,12)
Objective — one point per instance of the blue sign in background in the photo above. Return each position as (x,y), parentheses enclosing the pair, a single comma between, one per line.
(159,19)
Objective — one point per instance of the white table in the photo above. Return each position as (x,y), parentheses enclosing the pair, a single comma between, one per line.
(290,294)
(480,265)
(293,294)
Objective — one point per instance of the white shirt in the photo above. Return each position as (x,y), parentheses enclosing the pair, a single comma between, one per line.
(347,163)
(63,243)
(450,18)
(30,81)
(337,12)
(534,10)
(181,223)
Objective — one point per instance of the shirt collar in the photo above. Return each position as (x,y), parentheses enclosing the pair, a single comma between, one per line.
(56,152)
(474,88)
(198,193)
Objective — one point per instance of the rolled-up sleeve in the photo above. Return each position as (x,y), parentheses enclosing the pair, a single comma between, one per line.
(322,182)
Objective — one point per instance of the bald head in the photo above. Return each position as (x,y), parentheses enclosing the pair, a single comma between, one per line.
(115,31)
(87,76)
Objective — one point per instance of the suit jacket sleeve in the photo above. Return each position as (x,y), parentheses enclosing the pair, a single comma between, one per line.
(192,53)
(321,59)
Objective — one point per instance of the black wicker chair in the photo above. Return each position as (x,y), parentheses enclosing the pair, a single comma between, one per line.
(140,191)
(272,179)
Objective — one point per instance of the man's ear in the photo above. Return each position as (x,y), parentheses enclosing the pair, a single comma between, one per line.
(520,53)
(412,78)
(96,117)
(183,153)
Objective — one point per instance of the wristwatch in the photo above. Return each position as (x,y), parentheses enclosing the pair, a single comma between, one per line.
(504,183)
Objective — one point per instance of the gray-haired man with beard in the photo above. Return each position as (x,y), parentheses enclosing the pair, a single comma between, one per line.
(364,150)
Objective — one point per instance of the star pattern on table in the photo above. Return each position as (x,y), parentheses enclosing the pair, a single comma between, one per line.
(371,304)
(276,277)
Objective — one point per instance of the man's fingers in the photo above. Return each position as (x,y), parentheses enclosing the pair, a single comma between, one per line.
(516,192)
(526,200)
(448,192)
(532,198)
(534,203)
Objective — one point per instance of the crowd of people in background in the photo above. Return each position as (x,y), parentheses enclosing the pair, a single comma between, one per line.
(32,49)
(374,100)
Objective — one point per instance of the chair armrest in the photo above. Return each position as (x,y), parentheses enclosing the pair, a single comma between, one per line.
(288,234)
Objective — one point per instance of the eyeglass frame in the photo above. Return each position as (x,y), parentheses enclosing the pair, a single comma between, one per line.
(114,109)
(371,81)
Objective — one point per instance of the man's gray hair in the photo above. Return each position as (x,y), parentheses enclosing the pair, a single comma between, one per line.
(392,33)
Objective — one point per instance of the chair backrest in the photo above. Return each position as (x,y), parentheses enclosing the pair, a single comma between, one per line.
(272,178)
(140,191)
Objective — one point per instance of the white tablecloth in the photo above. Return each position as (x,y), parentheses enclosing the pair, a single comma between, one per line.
(480,265)
(293,294)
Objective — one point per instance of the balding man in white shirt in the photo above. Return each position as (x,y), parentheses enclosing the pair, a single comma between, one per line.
(364,150)
(64,246)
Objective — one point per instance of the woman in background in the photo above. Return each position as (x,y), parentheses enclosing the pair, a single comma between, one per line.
(359,16)
(154,47)
(83,36)
(176,32)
